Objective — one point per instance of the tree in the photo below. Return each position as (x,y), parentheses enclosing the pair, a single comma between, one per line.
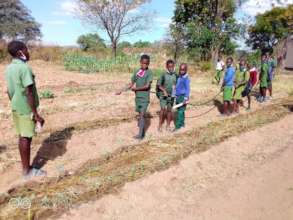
(124,44)
(270,28)
(175,41)
(16,22)
(142,44)
(116,17)
(91,42)
(208,25)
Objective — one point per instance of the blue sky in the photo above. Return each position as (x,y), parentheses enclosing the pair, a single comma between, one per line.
(60,26)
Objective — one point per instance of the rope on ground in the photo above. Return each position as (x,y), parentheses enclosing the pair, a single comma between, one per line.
(202,114)
(206,102)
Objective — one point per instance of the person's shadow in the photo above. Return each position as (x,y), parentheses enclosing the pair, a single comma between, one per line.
(3,148)
(52,147)
(148,121)
(219,105)
(290,107)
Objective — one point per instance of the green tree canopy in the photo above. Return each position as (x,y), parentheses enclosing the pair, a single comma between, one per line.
(208,26)
(124,44)
(91,42)
(16,22)
(270,28)
(142,44)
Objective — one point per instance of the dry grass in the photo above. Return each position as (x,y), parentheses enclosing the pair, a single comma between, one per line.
(108,174)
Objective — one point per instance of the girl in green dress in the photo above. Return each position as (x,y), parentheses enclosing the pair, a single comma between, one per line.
(241,79)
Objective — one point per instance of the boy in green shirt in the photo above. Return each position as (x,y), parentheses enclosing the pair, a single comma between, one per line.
(141,84)
(166,84)
(24,102)
(264,74)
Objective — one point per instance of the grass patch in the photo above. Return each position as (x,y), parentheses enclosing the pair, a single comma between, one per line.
(47,94)
(107,174)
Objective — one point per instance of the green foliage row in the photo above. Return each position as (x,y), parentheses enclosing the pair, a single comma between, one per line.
(90,64)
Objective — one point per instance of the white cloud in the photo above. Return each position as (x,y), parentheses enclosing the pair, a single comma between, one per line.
(66,7)
(69,7)
(253,7)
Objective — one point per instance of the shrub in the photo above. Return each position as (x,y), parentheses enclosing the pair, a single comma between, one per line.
(47,94)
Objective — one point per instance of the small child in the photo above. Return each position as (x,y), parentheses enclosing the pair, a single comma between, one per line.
(241,79)
(253,79)
(182,95)
(263,78)
(166,85)
(228,85)
(219,70)
(24,99)
(141,84)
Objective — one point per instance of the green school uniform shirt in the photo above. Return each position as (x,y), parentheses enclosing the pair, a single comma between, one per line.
(19,76)
(264,75)
(140,82)
(168,81)
(241,78)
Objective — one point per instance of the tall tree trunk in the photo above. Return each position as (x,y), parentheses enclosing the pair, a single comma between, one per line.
(114,49)
(215,55)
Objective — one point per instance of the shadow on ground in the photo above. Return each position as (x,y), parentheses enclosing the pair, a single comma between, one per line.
(219,106)
(290,107)
(3,148)
(52,147)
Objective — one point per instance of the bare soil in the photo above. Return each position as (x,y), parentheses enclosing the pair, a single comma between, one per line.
(248,177)
(87,121)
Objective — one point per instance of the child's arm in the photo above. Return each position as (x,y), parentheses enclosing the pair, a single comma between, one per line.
(160,85)
(125,89)
(162,88)
(8,95)
(31,102)
(143,88)
(187,94)
(27,80)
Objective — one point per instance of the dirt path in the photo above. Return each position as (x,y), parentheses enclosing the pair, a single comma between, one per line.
(246,177)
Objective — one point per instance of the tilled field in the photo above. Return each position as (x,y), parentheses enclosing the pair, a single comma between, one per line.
(87,144)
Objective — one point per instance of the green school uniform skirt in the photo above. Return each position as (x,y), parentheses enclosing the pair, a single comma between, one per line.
(228,93)
(238,93)
(141,105)
(24,125)
(264,81)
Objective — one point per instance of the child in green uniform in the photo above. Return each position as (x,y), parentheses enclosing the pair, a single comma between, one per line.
(141,84)
(182,95)
(272,66)
(228,84)
(166,84)
(24,102)
(264,73)
(241,79)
